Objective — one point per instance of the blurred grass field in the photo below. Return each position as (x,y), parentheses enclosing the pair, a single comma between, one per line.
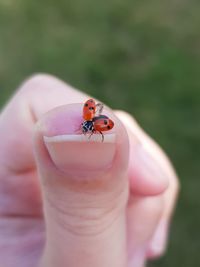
(141,56)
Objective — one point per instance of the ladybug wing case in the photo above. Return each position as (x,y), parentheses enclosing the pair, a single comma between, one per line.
(89,109)
(102,123)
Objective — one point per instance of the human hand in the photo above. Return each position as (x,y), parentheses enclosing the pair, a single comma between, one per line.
(78,204)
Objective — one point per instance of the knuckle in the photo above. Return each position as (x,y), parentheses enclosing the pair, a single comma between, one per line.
(37,80)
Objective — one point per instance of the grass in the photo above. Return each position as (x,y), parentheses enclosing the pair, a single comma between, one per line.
(141,56)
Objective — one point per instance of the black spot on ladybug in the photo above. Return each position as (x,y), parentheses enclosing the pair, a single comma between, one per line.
(86,105)
(105,122)
(108,127)
(91,108)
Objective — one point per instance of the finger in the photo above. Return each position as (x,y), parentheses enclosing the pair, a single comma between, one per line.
(158,243)
(146,172)
(143,215)
(159,231)
(34,97)
(144,211)
(85,190)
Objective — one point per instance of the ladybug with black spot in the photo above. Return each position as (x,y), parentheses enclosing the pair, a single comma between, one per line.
(94,121)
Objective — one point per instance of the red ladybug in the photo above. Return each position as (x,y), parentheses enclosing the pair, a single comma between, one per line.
(94,121)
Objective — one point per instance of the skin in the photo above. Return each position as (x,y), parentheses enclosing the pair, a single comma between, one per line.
(58,208)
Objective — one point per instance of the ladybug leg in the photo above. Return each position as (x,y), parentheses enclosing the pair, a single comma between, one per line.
(90,135)
(92,132)
(102,136)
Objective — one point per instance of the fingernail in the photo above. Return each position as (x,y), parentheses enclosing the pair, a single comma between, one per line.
(158,243)
(79,154)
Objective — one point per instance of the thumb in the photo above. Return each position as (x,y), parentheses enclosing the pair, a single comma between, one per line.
(85,189)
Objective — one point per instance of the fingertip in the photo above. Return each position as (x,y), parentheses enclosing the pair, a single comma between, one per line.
(57,132)
(143,187)
(147,174)
(158,243)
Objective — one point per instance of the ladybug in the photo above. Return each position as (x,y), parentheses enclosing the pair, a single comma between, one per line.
(94,121)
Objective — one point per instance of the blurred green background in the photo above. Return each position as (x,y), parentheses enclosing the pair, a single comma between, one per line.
(142,56)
